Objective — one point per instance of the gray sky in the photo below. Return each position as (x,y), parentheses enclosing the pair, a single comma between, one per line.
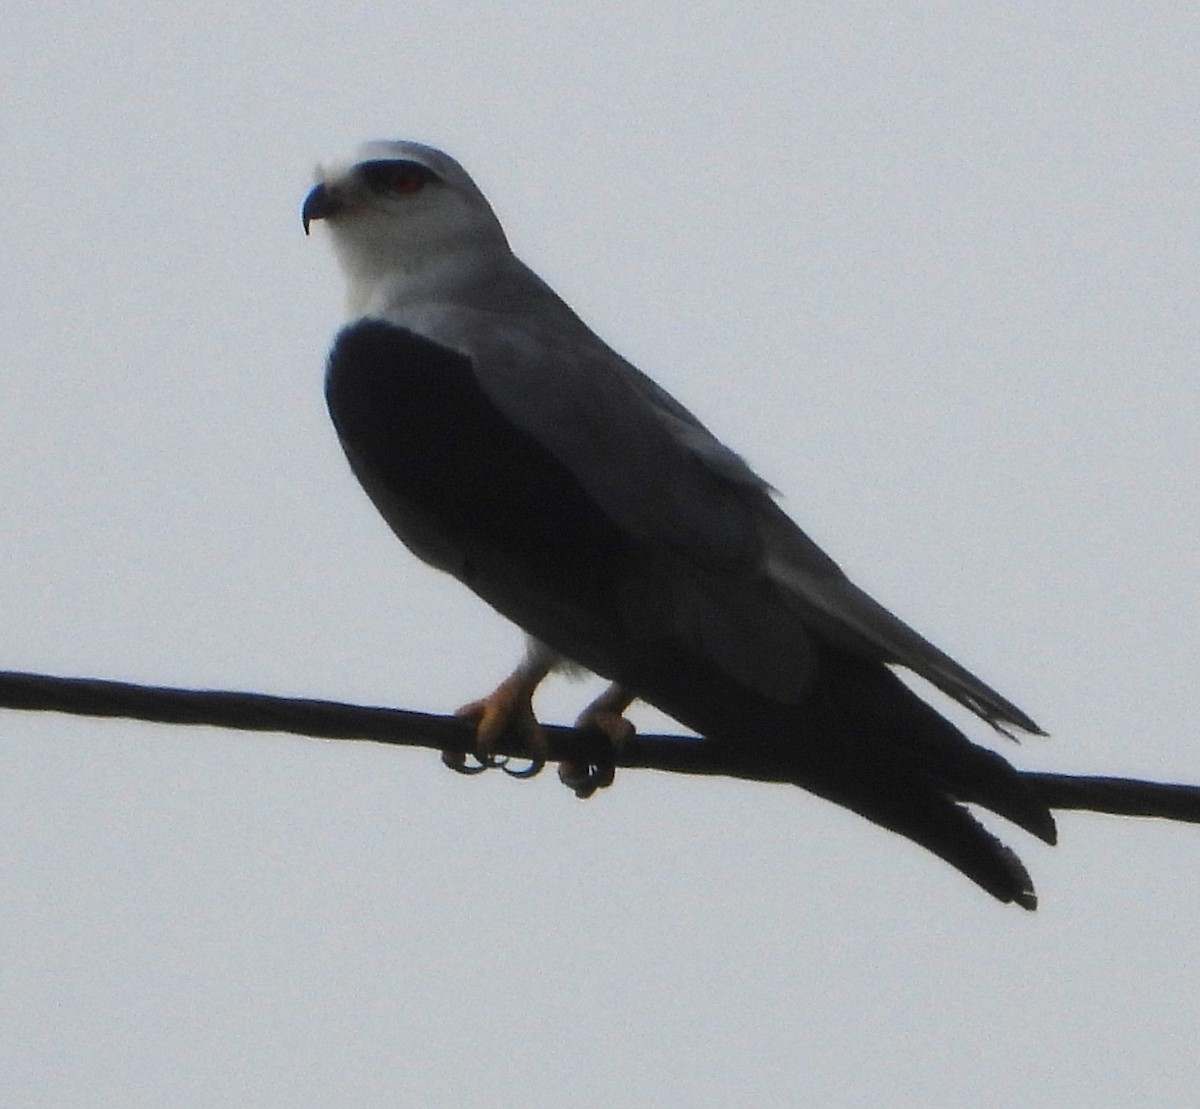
(932,269)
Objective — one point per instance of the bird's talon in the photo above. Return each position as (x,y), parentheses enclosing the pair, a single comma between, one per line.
(584,779)
(534,768)
(602,720)
(504,719)
(457,761)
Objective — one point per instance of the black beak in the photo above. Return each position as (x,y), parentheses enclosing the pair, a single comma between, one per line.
(321,203)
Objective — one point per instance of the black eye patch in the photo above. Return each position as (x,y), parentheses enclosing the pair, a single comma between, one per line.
(390,177)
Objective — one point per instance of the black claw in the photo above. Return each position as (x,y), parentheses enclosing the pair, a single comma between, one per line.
(586,781)
(534,768)
(457,761)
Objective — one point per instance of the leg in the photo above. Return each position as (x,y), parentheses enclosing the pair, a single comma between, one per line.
(603,718)
(505,718)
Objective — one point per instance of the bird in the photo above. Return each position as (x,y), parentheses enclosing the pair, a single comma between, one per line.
(508,445)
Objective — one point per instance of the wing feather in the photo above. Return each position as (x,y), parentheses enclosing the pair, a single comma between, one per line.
(657,472)
(834,605)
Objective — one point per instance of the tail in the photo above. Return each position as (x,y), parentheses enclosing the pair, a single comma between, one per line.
(951,832)
(1119,796)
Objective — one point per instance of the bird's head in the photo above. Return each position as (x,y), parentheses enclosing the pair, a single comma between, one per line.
(401,214)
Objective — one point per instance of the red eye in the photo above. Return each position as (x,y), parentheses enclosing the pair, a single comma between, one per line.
(395,177)
(405,180)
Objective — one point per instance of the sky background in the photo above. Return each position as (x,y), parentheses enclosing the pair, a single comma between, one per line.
(931,268)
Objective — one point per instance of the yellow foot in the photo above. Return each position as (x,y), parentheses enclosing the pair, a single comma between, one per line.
(504,720)
(603,720)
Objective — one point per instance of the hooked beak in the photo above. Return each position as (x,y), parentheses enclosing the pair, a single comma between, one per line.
(321,203)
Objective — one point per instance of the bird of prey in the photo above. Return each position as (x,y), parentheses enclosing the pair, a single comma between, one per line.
(507,445)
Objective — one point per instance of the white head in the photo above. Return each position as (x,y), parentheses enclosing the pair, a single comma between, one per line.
(402,213)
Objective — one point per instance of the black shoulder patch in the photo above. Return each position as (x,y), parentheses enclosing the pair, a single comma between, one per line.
(411,411)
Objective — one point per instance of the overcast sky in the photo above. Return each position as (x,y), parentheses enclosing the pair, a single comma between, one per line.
(931,268)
